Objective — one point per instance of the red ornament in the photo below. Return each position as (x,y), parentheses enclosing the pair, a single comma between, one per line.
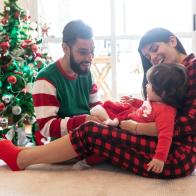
(4,21)
(26,18)
(39,64)
(26,43)
(34,48)
(17,14)
(2,106)
(12,79)
(4,46)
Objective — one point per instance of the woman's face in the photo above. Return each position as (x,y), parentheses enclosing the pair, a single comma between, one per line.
(161,52)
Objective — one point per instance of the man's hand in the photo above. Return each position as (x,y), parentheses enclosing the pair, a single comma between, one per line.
(156,166)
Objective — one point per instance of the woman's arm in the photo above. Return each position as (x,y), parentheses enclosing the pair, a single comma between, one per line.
(136,128)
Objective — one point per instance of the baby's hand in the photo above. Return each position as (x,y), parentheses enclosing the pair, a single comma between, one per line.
(126,99)
(155,165)
(114,122)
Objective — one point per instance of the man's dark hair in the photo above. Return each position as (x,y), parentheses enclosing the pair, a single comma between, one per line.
(76,29)
(169,81)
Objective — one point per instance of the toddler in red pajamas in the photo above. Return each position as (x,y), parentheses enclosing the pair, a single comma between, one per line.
(163,97)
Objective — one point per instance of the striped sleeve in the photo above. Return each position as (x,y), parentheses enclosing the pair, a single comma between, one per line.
(94,95)
(46,107)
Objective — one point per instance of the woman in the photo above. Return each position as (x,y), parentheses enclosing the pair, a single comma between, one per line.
(121,147)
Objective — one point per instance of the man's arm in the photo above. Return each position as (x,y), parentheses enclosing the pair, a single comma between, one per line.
(46,107)
(94,98)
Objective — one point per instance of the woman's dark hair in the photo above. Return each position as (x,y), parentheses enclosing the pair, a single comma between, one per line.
(76,29)
(155,35)
(169,81)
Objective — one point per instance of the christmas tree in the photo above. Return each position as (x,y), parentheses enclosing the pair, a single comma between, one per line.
(20,60)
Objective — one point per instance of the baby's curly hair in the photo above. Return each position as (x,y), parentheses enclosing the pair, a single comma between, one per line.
(169,81)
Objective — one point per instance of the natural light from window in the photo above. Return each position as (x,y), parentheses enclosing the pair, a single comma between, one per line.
(131,19)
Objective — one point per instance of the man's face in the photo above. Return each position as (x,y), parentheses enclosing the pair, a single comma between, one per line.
(81,56)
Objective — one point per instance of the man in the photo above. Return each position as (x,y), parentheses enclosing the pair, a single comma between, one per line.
(64,91)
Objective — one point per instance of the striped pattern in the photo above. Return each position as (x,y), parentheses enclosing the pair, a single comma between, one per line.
(46,106)
(51,95)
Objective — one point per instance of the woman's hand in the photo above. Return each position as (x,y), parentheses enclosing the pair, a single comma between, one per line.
(129,125)
(136,128)
(156,166)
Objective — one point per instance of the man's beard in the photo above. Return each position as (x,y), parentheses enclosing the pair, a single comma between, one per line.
(76,66)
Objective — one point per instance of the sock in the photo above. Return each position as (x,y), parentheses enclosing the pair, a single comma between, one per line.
(9,153)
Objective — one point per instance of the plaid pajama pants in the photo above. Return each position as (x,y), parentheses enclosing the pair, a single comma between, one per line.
(132,152)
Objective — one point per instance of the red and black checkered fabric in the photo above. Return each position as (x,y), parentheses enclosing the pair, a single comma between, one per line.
(134,152)
(186,121)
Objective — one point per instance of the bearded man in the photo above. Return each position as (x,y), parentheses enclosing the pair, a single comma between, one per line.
(64,91)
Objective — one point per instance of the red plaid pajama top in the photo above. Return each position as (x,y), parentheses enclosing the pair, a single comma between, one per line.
(133,152)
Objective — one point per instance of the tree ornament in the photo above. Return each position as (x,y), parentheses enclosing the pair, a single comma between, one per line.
(3,122)
(16,110)
(39,62)
(7,98)
(4,46)
(2,106)
(31,120)
(17,14)
(12,79)
(26,43)
(34,48)
(5,61)
(4,21)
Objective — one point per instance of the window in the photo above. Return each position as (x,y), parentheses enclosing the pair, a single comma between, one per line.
(117,26)
(136,17)
(58,13)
